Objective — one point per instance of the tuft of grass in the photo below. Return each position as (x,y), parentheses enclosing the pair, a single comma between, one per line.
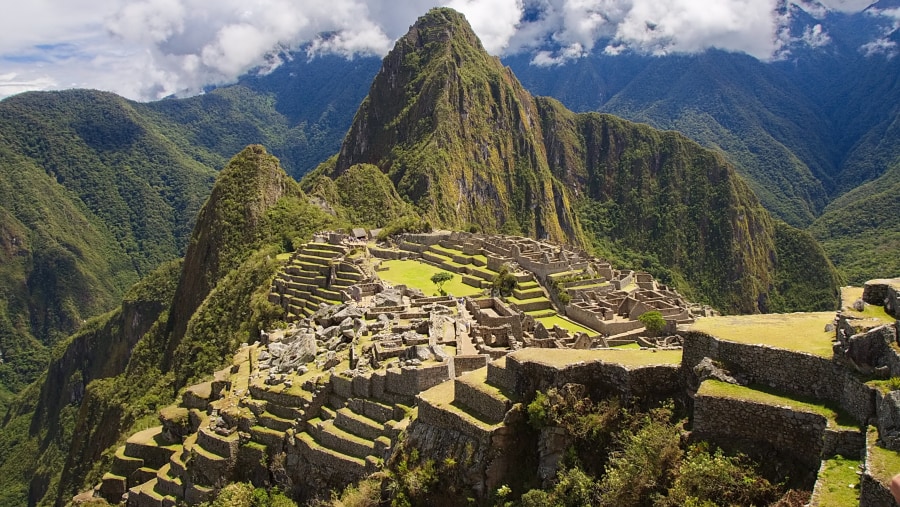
(799,332)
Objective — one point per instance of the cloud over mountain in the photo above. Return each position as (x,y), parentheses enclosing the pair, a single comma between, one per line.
(148,49)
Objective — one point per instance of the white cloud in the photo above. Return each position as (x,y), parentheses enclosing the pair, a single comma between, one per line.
(884,45)
(146,49)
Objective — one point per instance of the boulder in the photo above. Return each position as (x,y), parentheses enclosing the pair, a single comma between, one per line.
(288,357)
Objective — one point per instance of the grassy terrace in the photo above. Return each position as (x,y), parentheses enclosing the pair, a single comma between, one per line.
(418,275)
(766,396)
(625,357)
(549,322)
(800,332)
(838,482)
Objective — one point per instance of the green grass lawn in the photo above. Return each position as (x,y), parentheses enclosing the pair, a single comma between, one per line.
(549,322)
(884,463)
(838,482)
(625,357)
(800,332)
(766,396)
(418,275)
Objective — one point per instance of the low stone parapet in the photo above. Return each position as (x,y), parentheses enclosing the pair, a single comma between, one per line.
(466,363)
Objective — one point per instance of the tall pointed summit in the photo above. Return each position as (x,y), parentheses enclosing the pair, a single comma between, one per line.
(458,135)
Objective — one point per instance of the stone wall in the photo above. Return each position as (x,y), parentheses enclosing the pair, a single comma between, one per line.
(724,420)
(791,372)
(466,363)
(884,293)
(411,381)
(492,408)
(595,321)
(603,379)
(873,493)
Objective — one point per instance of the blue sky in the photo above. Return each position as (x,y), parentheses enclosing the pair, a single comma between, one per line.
(149,49)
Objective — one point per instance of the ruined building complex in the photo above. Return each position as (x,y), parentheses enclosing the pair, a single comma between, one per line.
(323,400)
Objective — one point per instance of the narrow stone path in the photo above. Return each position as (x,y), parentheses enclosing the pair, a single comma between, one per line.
(464,344)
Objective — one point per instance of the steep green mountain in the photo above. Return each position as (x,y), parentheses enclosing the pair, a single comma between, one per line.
(459,137)
(92,196)
(175,326)
(96,191)
(804,129)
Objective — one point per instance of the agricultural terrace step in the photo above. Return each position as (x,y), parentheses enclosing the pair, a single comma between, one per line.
(323,457)
(308,267)
(206,467)
(195,494)
(531,305)
(144,495)
(357,424)
(335,438)
(328,294)
(290,413)
(167,485)
(528,293)
(124,464)
(437,407)
(267,436)
(499,375)
(326,413)
(177,461)
(225,446)
(374,410)
(112,487)
(311,259)
(342,283)
(483,273)
(149,446)
(472,391)
(325,247)
(294,398)
(274,422)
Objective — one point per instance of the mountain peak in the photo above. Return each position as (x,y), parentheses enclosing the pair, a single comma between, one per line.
(458,135)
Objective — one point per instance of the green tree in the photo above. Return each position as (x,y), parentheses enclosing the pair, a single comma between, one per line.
(504,283)
(653,321)
(439,279)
